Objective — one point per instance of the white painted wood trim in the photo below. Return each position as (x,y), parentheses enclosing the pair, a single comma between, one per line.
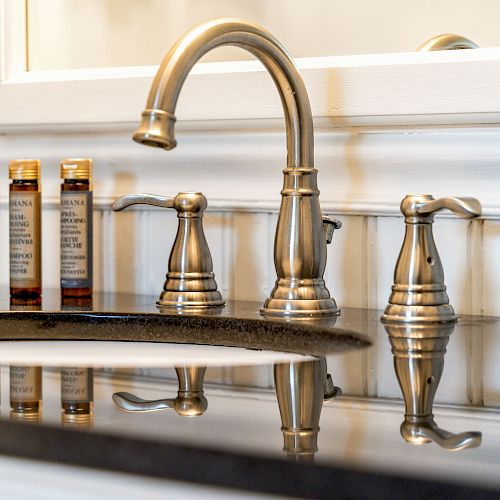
(368,208)
(452,87)
(12,38)
(400,89)
(365,171)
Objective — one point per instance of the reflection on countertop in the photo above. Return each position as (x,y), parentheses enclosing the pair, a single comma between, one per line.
(419,351)
(295,424)
(301,423)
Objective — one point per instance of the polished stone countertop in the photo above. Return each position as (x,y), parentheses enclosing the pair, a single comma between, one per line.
(239,441)
(129,317)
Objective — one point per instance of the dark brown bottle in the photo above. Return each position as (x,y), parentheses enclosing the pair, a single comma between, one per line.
(76,228)
(25,230)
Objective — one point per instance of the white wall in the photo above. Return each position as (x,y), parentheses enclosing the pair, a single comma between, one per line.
(385,126)
(67,34)
(369,170)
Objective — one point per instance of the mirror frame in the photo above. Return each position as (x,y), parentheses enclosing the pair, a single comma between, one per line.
(433,88)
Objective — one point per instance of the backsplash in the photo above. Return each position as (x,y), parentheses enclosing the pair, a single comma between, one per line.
(363,174)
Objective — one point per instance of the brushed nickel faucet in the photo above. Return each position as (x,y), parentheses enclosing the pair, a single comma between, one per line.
(419,293)
(447,41)
(300,245)
(190,281)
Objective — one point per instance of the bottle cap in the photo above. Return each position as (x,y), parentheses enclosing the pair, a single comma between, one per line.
(27,416)
(24,170)
(77,419)
(76,168)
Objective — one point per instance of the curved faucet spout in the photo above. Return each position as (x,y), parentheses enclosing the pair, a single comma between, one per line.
(157,127)
(299,245)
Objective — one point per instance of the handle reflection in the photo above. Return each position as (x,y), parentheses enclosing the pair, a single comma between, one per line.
(419,361)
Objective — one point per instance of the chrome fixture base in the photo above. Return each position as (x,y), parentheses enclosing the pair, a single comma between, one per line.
(299,245)
(300,250)
(195,300)
(419,314)
(300,308)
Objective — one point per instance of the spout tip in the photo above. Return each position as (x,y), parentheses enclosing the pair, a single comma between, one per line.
(156,129)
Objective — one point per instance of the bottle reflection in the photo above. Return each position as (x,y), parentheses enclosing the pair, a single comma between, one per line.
(190,400)
(26,392)
(25,381)
(77,395)
(300,389)
(76,304)
(419,351)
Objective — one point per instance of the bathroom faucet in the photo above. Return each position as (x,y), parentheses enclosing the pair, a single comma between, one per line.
(419,293)
(299,245)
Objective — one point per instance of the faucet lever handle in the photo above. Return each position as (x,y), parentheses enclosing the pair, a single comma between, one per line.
(129,402)
(463,207)
(429,431)
(190,400)
(142,199)
(190,281)
(329,226)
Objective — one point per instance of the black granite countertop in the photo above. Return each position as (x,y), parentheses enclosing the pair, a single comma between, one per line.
(128,317)
(237,443)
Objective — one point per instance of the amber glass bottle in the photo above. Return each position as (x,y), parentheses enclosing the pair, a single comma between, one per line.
(25,230)
(76,228)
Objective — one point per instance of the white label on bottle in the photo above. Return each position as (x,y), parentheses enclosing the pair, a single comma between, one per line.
(74,234)
(24,223)
(76,385)
(25,383)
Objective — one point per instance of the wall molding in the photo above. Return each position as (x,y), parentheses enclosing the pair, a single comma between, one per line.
(361,170)
(447,87)
(375,209)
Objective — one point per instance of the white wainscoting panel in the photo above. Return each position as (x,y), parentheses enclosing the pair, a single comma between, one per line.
(363,175)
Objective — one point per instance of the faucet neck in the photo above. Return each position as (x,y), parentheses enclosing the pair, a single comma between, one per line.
(157,127)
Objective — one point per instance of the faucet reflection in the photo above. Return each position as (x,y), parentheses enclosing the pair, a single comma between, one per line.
(301,389)
(419,361)
(300,241)
(190,400)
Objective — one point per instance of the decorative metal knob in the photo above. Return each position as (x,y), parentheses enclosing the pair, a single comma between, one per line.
(447,41)
(190,281)
(419,293)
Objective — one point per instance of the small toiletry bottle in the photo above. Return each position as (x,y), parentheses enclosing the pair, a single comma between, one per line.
(77,391)
(76,228)
(25,229)
(25,389)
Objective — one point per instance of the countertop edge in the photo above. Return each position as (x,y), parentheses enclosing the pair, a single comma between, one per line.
(167,460)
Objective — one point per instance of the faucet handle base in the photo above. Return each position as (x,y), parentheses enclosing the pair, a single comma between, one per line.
(300,308)
(441,313)
(181,299)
